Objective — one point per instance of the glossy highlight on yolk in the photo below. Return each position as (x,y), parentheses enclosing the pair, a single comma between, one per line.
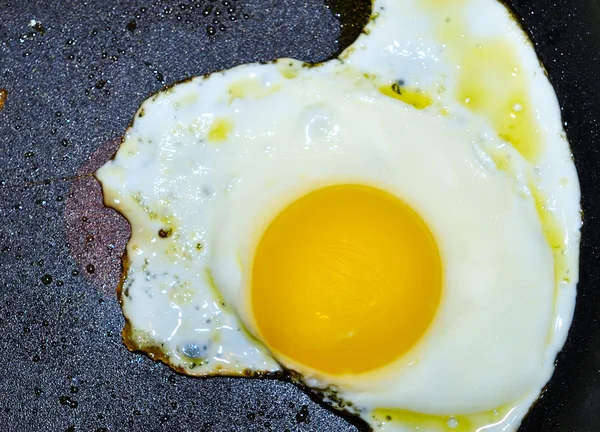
(345,280)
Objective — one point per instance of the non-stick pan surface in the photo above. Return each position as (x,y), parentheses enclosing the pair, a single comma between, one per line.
(75,72)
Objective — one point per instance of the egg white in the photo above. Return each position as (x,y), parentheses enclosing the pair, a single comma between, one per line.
(210,162)
(487,343)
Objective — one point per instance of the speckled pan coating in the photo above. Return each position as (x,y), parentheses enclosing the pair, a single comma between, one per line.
(74,78)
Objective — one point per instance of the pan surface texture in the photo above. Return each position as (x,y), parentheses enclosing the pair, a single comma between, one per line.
(72,75)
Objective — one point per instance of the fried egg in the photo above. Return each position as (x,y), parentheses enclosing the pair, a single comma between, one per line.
(397,229)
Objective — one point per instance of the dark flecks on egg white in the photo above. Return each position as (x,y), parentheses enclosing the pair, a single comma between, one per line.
(165,232)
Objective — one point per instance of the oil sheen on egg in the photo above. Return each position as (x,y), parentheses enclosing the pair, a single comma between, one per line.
(399,227)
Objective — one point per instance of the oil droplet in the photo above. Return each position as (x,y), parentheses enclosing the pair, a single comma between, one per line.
(302,415)
(66,400)
(452,423)
(46,279)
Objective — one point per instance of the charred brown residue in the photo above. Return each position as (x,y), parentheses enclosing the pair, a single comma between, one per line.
(353,17)
(165,232)
(38,27)
(132,25)
(100,84)
(3,97)
(327,398)
(157,353)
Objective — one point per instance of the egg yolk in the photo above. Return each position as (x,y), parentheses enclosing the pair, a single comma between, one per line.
(345,280)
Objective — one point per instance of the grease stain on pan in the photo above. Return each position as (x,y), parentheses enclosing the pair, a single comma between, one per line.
(97,235)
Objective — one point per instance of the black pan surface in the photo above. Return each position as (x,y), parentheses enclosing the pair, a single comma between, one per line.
(74,78)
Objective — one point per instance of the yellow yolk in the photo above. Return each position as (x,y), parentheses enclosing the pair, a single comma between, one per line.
(345,280)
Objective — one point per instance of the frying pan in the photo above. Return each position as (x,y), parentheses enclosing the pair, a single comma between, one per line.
(75,73)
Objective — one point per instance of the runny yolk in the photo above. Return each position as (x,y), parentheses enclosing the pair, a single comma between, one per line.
(345,280)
